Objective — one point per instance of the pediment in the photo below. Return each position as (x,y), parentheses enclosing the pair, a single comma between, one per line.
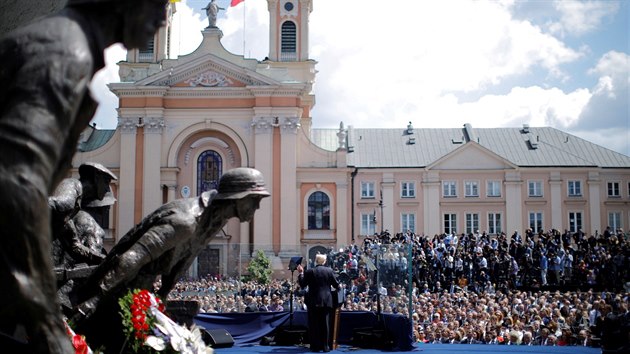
(207,71)
(471,156)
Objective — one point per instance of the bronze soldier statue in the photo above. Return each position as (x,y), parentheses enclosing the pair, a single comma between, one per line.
(45,103)
(163,244)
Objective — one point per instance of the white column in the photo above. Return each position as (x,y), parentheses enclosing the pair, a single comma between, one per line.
(594,202)
(171,193)
(431,203)
(513,202)
(272,6)
(289,225)
(263,162)
(342,214)
(555,186)
(387,188)
(127,174)
(305,10)
(151,188)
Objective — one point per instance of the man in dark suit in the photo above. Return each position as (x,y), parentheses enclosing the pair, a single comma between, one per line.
(319,301)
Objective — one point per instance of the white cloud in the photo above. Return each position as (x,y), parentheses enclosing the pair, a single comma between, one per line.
(580,17)
(106,116)
(607,115)
(383,64)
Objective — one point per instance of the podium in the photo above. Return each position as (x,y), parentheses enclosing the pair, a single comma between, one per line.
(338,301)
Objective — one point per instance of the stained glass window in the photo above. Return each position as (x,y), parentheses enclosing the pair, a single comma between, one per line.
(318,211)
(209,170)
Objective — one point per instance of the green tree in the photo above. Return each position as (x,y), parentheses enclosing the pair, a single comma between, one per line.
(260,268)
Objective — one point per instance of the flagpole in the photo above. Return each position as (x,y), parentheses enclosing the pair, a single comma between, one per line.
(244,25)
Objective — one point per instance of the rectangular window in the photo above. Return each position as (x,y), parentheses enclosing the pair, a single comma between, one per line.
(536,221)
(408,189)
(471,188)
(575,188)
(613,189)
(368,224)
(493,189)
(408,222)
(614,220)
(450,223)
(367,189)
(449,189)
(494,223)
(535,189)
(575,221)
(472,223)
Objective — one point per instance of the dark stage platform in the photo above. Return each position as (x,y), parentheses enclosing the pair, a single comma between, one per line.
(424,348)
(250,328)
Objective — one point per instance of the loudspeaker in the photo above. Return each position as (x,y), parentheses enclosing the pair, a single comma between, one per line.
(217,338)
(294,262)
(290,335)
(372,338)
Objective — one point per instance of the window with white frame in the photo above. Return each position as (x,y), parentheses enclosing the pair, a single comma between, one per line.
(493,188)
(367,189)
(536,221)
(368,224)
(450,223)
(408,222)
(494,223)
(318,211)
(614,220)
(449,189)
(575,221)
(613,189)
(534,189)
(472,223)
(408,189)
(574,188)
(471,188)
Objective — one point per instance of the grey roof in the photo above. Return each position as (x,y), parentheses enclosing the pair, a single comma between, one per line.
(98,138)
(540,147)
(325,138)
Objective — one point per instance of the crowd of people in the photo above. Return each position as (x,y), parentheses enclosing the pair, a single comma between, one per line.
(464,288)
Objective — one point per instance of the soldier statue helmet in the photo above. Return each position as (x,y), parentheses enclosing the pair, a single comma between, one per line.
(241,182)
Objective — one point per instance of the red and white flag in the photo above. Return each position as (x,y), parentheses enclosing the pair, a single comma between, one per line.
(236,2)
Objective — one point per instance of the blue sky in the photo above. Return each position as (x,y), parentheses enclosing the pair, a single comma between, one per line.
(441,64)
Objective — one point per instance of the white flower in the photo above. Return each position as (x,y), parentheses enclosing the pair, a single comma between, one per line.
(156,343)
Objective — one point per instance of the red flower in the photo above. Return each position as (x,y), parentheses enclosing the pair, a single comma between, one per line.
(79,344)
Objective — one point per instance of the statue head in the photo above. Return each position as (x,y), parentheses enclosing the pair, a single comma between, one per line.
(137,21)
(245,187)
(241,182)
(95,179)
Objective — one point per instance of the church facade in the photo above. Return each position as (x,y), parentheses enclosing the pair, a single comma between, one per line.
(183,122)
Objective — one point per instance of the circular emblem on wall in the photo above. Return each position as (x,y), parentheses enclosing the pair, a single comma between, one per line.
(185,191)
(288,6)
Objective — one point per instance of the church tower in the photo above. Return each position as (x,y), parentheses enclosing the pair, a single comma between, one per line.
(288,29)
(144,62)
(288,45)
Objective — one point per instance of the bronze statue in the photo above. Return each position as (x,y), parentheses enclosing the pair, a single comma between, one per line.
(77,236)
(45,103)
(164,244)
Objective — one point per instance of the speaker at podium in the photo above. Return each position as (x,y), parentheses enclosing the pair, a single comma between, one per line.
(217,338)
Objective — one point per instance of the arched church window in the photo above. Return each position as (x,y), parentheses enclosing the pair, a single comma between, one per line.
(209,170)
(318,211)
(288,47)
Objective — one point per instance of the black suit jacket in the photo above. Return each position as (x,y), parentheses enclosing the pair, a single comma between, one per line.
(319,280)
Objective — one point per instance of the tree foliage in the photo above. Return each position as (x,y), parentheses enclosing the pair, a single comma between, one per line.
(260,268)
